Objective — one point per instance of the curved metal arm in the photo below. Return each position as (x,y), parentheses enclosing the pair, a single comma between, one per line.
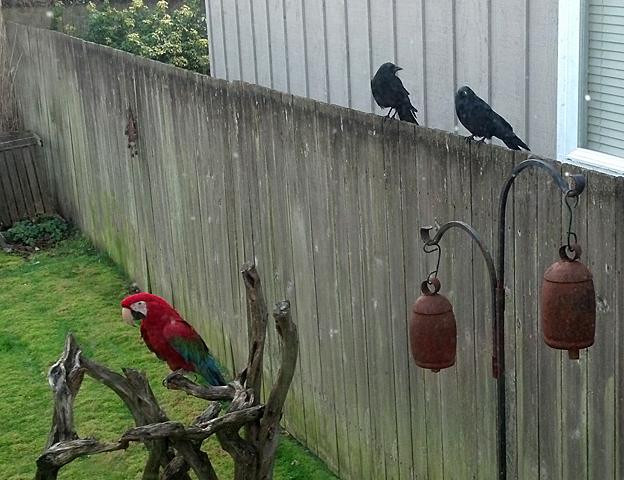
(574,188)
(425,235)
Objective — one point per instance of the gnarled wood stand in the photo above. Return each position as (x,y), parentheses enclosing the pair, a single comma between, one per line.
(173,447)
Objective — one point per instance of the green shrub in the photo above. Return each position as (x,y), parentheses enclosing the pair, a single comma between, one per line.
(39,231)
(56,23)
(178,37)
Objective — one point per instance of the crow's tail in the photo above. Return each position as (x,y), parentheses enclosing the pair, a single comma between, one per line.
(209,370)
(513,142)
(407,112)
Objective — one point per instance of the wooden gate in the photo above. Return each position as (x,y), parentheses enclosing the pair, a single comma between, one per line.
(23,189)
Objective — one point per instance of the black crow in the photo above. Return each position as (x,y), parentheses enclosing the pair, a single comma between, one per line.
(389,92)
(481,121)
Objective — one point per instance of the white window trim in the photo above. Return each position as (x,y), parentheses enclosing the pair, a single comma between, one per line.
(568,85)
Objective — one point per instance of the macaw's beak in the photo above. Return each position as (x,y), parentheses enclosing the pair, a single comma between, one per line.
(126,315)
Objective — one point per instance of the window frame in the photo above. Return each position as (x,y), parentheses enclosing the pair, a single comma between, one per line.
(571,67)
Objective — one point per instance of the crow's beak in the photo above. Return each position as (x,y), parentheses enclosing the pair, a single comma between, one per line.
(126,315)
(397,68)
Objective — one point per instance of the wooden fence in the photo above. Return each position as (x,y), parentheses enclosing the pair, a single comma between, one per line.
(23,189)
(329,202)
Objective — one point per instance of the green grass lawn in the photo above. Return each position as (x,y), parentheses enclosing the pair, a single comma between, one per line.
(73,288)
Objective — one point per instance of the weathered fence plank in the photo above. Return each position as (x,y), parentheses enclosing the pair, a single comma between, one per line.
(401,443)
(322,220)
(280,115)
(504,163)
(574,384)
(619,328)
(601,412)
(414,416)
(377,296)
(483,212)
(359,366)
(330,202)
(549,409)
(526,280)
(213,210)
(296,170)
(462,388)
(346,221)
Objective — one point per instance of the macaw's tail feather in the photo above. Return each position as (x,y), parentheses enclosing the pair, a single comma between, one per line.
(209,370)
(192,351)
(407,112)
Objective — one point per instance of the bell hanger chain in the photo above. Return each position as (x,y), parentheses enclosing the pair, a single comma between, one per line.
(430,248)
(571,203)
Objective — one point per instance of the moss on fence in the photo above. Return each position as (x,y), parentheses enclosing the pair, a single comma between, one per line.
(9,116)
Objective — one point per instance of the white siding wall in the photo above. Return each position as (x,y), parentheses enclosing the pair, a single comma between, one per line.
(506,50)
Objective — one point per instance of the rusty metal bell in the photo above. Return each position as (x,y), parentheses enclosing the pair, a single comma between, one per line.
(568,304)
(432,330)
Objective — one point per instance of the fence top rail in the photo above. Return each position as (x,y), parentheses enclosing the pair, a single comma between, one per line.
(12,140)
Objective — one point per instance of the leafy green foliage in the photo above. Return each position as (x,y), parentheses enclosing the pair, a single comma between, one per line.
(40,231)
(178,36)
(56,22)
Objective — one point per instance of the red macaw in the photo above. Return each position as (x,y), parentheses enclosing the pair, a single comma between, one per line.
(167,335)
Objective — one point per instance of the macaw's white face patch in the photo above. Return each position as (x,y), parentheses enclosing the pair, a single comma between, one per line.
(139,308)
(134,314)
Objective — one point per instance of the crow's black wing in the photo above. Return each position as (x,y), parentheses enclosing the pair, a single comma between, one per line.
(378,90)
(384,88)
(398,92)
(499,124)
(475,115)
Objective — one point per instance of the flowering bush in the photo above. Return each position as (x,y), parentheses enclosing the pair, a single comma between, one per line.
(177,36)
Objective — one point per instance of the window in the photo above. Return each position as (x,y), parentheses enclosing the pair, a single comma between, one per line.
(604,125)
(591,83)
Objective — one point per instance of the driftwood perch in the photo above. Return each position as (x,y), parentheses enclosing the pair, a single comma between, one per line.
(175,448)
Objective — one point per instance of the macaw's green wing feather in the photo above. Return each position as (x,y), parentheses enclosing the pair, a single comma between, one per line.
(190,346)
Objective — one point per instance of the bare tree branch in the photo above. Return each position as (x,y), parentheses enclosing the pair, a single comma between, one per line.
(287,332)
(198,460)
(173,430)
(257,319)
(65,378)
(175,467)
(62,453)
(177,381)
(210,413)
(179,464)
(269,424)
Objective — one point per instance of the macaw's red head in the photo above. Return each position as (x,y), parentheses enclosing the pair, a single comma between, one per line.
(135,308)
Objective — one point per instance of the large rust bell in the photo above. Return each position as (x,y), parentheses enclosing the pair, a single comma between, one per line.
(433,333)
(568,304)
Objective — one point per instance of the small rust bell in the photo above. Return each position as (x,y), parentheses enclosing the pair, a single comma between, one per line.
(568,304)
(433,333)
